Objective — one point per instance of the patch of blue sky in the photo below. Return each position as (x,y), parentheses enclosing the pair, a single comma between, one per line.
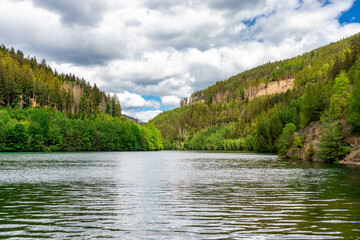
(301,2)
(250,22)
(165,108)
(326,2)
(155,98)
(145,109)
(352,15)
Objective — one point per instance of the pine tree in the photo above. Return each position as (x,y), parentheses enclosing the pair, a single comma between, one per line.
(332,147)
(314,103)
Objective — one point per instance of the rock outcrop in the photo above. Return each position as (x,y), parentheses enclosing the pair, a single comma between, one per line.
(270,88)
(354,142)
(308,139)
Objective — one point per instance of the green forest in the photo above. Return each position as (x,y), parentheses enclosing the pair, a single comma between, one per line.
(224,117)
(41,110)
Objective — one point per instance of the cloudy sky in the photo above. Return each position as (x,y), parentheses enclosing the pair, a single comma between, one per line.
(151,53)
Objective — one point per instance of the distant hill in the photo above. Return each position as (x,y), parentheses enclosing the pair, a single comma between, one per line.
(249,111)
(132,119)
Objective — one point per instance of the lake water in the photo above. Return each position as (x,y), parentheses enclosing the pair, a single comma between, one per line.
(176,195)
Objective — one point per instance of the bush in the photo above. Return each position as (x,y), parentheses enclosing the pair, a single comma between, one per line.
(298,141)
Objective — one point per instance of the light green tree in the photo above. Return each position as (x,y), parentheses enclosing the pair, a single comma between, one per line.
(285,138)
(340,94)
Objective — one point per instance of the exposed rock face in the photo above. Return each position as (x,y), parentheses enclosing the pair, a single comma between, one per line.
(311,138)
(270,88)
(354,141)
(250,92)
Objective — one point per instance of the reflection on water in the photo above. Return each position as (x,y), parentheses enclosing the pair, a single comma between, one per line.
(167,195)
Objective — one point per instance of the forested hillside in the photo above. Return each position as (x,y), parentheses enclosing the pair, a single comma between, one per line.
(26,83)
(41,110)
(227,115)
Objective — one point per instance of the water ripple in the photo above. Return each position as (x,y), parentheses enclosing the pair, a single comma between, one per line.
(167,195)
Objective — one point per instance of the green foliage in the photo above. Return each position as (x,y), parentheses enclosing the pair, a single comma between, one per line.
(249,142)
(4,117)
(285,138)
(292,113)
(155,137)
(299,140)
(36,141)
(332,147)
(296,157)
(41,117)
(263,141)
(310,152)
(48,130)
(340,93)
(211,138)
(234,144)
(316,99)
(17,139)
(349,56)
(354,112)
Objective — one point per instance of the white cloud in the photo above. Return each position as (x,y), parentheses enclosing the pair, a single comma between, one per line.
(144,116)
(130,100)
(170,101)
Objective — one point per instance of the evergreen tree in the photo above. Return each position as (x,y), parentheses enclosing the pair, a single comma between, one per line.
(285,138)
(332,147)
(263,140)
(354,113)
(314,103)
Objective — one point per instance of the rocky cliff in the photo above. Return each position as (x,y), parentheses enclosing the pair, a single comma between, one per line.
(305,144)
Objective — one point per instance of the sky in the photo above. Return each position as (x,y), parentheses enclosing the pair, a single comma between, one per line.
(152,53)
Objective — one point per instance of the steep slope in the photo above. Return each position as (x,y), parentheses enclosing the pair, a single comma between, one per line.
(250,110)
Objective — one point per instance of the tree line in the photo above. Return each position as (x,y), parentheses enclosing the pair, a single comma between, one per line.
(26,83)
(46,129)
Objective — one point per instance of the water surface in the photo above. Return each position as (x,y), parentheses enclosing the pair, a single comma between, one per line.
(183,195)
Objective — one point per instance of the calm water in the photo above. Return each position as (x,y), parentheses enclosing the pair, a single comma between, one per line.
(181,195)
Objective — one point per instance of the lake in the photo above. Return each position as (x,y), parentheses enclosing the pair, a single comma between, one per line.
(176,195)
